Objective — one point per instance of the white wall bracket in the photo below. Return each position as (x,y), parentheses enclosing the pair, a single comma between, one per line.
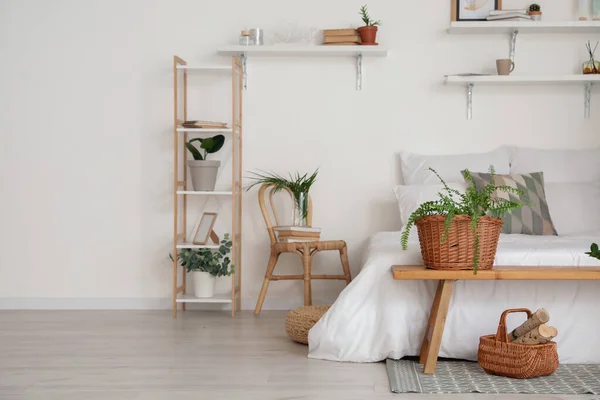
(359,71)
(470,87)
(513,45)
(588,99)
(244,71)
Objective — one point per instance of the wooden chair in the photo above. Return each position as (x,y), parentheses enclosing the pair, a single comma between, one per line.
(305,250)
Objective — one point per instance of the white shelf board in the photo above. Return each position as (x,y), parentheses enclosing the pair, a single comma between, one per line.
(305,50)
(185,245)
(522,79)
(476,27)
(217,298)
(206,68)
(200,130)
(205,193)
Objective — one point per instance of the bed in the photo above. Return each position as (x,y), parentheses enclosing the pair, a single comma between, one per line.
(376,317)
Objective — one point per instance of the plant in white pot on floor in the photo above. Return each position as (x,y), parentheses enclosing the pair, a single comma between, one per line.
(206,265)
(204,172)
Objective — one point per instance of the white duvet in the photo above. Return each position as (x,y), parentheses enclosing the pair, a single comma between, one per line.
(376,317)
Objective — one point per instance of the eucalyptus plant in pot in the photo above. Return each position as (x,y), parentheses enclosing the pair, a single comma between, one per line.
(298,186)
(203,171)
(461,230)
(206,265)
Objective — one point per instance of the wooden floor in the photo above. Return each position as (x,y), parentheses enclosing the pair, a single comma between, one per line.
(148,355)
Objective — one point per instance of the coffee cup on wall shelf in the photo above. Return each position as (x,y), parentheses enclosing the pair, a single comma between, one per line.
(505,66)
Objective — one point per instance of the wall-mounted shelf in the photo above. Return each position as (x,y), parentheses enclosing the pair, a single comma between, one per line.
(470,81)
(305,51)
(513,28)
(479,27)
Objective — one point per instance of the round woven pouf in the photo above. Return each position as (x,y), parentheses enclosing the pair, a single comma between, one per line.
(299,321)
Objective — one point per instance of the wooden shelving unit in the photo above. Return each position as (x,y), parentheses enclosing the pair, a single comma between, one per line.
(359,52)
(182,189)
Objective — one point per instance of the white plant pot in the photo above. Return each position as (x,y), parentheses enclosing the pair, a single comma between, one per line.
(204,174)
(204,284)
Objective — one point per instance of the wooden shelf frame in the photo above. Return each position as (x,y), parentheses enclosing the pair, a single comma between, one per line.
(180,182)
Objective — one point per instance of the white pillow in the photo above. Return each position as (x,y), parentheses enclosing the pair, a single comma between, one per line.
(415,167)
(410,197)
(573,207)
(558,165)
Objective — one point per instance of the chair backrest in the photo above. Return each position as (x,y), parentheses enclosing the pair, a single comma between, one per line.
(267,208)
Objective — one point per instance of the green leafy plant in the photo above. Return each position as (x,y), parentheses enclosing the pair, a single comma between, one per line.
(207,146)
(594,251)
(364,13)
(535,8)
(298,184)
(215,262)
(475,203)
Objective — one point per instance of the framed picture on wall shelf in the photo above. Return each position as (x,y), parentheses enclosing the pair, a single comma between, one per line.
(474,10)
(203,230)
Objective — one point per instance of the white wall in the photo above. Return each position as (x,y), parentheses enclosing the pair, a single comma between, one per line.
(86,113)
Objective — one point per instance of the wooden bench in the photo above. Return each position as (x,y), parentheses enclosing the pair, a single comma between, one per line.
(439,310)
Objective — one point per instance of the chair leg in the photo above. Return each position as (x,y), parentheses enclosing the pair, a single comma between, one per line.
(263,292)
(306,261)
(345,264)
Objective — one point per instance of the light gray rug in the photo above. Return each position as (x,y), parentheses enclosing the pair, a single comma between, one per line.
(407,376)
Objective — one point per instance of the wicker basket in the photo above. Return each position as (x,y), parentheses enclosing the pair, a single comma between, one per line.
(498,356)
(457,252)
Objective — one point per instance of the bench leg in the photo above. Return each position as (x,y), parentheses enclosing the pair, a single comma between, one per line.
(435,328)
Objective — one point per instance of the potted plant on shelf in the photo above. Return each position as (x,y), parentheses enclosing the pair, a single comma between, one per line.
(461,230)
(203,171)
(535,12)
(298,186)
(206,265)
(368,33)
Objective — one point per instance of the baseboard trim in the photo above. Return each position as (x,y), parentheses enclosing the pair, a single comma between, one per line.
(134,303)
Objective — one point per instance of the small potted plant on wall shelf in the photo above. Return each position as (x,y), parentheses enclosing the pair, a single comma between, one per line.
(368,32)
(203,171)
(206,265)
(535,12)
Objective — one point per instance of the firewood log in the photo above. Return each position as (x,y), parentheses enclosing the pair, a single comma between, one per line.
(539,317)
(539,335)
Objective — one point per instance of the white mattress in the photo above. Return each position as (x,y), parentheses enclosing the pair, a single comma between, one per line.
(376,317)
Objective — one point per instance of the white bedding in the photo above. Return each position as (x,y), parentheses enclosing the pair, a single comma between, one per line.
(376,317)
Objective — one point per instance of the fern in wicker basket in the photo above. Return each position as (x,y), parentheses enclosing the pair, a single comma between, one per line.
(474,203)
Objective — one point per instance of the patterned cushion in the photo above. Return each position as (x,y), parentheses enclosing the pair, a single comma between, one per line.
(527,220)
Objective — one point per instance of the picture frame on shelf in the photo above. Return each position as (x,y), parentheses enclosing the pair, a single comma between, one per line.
(474,10)
(203,230)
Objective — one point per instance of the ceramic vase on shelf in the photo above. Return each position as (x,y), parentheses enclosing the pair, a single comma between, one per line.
(301,209)
(204,174)
(204,284)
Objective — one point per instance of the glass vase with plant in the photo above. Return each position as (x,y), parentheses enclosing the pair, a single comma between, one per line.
(478,205)
(204,172)
(207,265)
(298,186)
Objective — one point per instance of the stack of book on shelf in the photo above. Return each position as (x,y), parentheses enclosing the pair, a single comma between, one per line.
(297,234)
(204,124)
(341,37)
(509,15)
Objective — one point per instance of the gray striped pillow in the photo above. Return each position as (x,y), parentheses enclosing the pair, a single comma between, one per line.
(528,220)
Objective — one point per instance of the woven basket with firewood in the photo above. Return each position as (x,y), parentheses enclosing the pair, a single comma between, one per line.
(527,352)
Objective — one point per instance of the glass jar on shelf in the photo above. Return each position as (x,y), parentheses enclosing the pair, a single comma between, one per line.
(589,67)
(245,38)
